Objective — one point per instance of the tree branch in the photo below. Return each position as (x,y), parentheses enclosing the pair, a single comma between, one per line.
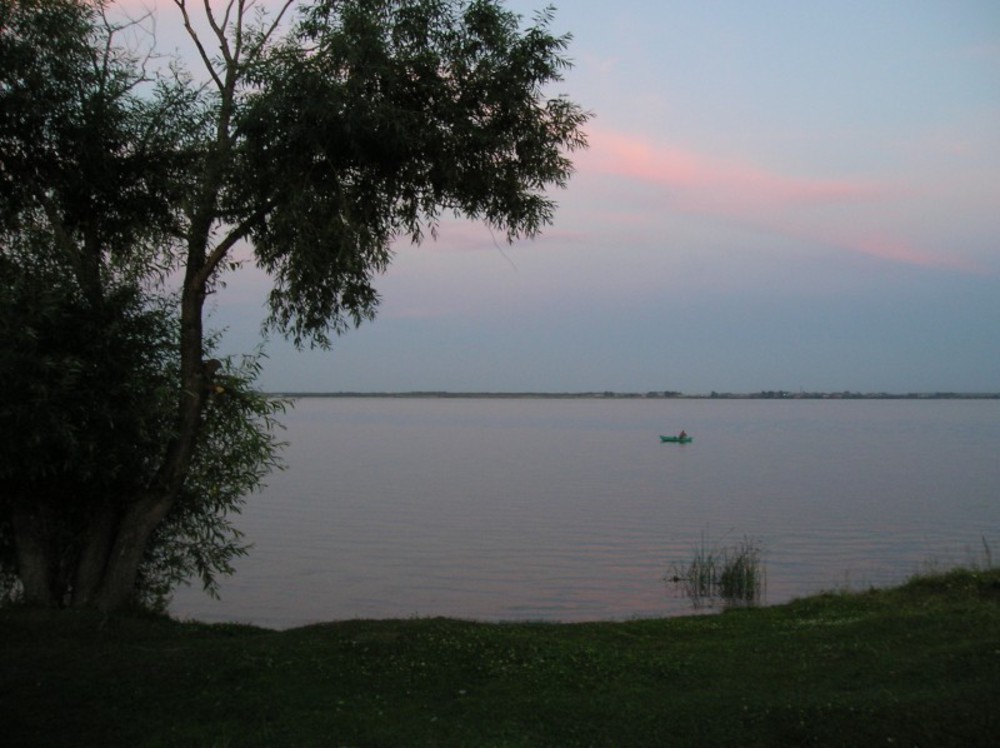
(109,52)
(222,248)
(238,33)
(182,5)
(220,31)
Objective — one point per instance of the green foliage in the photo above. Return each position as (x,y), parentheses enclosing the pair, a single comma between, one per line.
(85,415)
(83,411)
(84,154)
(370,119)
(237,448)
(79,378)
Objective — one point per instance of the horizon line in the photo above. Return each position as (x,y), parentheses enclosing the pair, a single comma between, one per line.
(651,394)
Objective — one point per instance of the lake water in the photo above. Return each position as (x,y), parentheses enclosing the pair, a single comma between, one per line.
(572,510)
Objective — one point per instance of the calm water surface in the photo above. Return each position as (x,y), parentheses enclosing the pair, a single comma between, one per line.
(573,510)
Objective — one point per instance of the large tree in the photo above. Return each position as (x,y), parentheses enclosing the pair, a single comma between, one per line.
(90,174)
(318,141)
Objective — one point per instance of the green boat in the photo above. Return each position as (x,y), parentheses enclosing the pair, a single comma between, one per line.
(677,439)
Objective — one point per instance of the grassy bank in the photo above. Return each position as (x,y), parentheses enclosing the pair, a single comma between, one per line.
(917,665)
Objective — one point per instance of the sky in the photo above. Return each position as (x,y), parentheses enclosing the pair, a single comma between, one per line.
(778,195)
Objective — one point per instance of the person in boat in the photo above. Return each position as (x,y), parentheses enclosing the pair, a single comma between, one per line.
(683,434)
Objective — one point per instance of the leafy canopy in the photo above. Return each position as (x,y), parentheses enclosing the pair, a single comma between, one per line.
(370,120)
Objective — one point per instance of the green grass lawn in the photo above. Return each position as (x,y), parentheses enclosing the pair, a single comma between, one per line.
(916,665)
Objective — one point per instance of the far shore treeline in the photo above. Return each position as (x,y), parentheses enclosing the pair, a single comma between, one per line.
(664,395)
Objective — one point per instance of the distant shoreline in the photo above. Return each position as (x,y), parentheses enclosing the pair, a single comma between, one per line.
(662,395)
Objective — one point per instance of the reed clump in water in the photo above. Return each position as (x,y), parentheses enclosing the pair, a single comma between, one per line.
(734,575)
(741,581)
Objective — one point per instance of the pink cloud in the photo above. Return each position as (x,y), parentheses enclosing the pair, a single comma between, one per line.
(741,192)
(903,251)
(703,183)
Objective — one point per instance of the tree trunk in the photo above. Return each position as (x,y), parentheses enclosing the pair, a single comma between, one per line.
(93,558)
(35,565)
(141,518)
(117,584)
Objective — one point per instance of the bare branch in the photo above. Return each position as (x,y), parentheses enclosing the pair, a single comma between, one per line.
(229,10)
(238,40)
(232,50)
(182,5)
(137,56)
(231,54)
(220,31)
